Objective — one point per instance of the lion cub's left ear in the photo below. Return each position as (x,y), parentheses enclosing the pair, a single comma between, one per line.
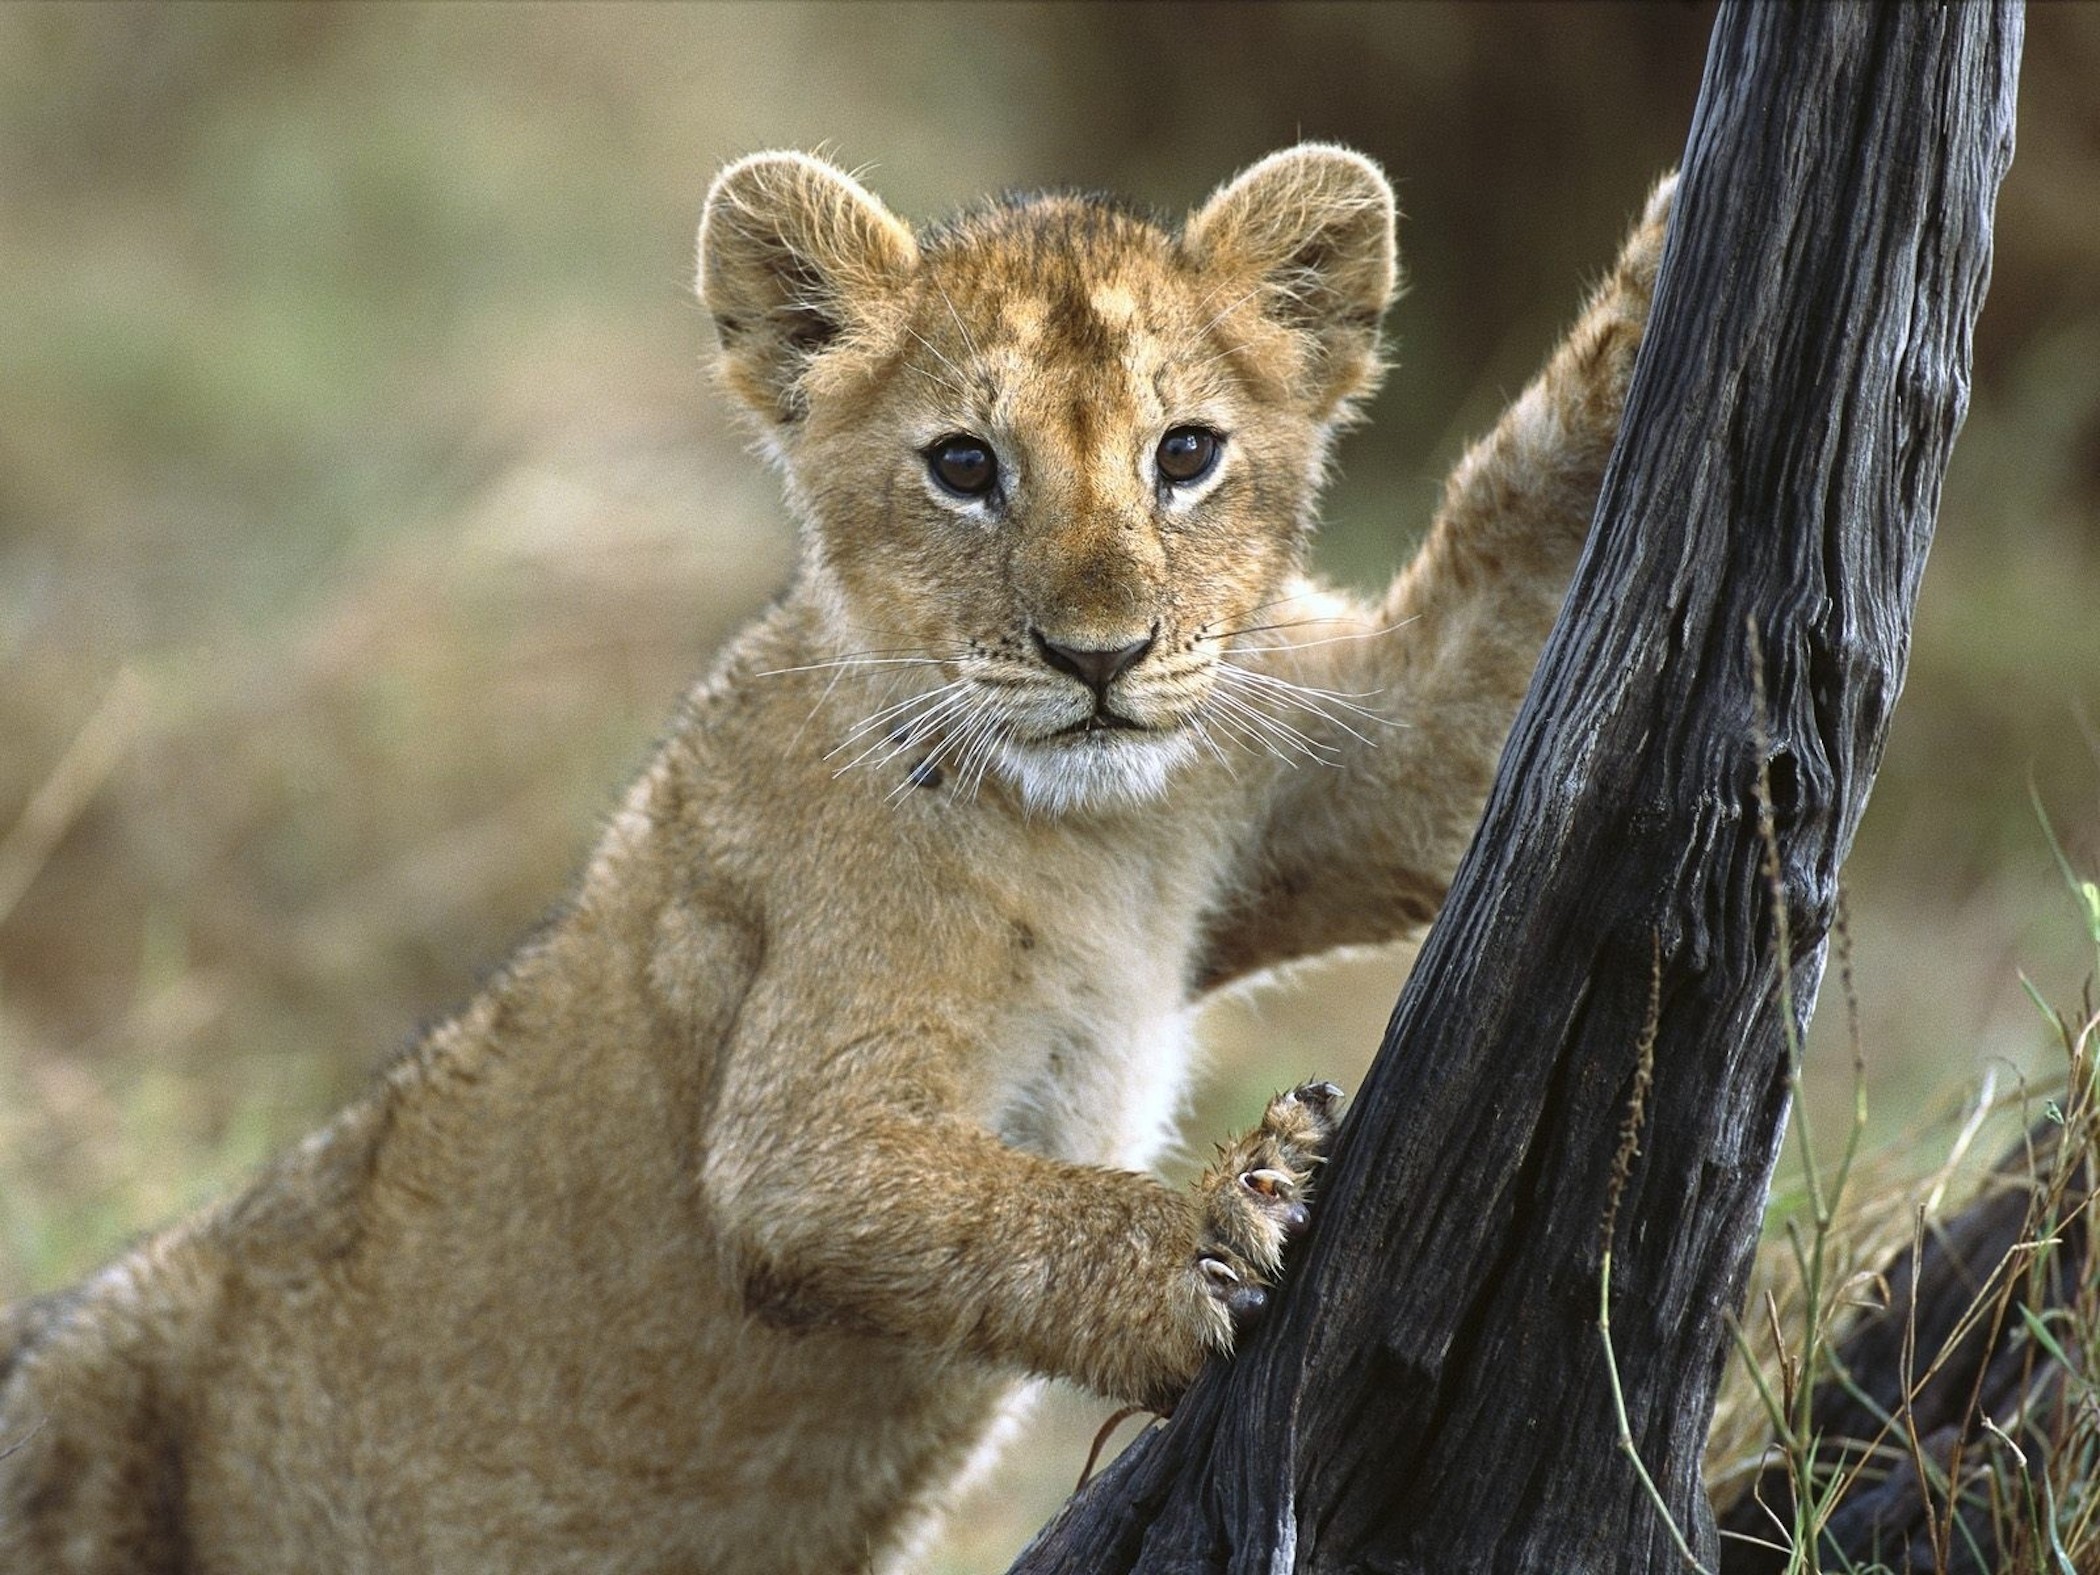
(1311,230)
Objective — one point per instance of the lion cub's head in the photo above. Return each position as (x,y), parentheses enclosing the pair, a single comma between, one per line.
(1053,458)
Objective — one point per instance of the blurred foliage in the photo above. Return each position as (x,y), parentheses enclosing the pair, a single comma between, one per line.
(351,404)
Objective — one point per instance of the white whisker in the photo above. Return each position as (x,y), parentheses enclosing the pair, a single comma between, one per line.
(1278,681)
(1333,639)
(987,752)
(1239,734)
(938,708)
(1274,730)
(1203,737)
(952,739)
(860,728)
(848,663)
(1317,701)
(813,710)
(967,745)
(1258,695)
(1243,725)
(975,757)
(898,747)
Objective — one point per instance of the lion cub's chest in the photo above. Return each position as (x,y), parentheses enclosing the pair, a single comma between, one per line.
(1092,1051)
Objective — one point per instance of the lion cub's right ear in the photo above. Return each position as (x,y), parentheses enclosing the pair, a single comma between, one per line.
(794,255)
(1309,231)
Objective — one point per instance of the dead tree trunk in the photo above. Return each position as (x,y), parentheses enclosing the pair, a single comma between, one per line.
(1431,1392)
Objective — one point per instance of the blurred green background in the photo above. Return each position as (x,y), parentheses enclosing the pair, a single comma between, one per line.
(364,505)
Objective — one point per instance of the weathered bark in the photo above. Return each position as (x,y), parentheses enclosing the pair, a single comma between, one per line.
(1430,1392)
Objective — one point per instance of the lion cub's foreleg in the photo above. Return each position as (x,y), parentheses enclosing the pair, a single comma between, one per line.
(1364,853)
(935,1232)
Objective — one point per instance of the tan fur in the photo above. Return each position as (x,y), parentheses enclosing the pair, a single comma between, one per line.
(716,1232)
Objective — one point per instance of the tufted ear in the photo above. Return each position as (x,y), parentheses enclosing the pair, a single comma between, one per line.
(1310,229)
(794,254)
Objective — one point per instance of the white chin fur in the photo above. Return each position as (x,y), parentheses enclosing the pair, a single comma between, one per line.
(1093,771)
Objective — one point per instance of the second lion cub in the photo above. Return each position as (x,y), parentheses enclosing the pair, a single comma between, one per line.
(715,1232)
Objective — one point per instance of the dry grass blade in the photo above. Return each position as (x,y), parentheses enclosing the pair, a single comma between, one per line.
(1957,1426)
(69,788)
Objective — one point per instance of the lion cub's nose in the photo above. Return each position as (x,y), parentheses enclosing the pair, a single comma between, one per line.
(1095,668)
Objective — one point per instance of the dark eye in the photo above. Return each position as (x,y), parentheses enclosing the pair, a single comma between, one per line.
(1186,454)
(966,466)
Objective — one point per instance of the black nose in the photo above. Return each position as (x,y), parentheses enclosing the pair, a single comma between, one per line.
(1096,669)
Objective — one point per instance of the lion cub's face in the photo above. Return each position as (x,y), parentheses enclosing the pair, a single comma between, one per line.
(1053,460)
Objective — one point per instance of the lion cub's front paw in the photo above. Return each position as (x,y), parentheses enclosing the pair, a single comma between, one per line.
(1255,1198)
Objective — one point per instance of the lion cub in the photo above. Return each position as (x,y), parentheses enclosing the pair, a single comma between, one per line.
(714,1234)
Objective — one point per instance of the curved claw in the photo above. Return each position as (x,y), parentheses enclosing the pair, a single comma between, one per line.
(1244,1301)
(1323,1096)
(1279,1201)
(1272,1184)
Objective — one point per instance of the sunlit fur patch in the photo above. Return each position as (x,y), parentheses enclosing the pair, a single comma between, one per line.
(1092,771)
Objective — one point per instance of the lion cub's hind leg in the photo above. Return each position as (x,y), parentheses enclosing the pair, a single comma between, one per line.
(1253,1199)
